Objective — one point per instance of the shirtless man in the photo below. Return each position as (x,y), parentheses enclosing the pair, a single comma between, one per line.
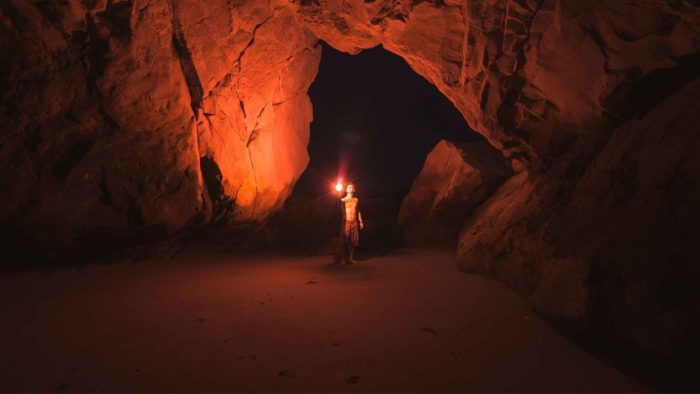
(352,224)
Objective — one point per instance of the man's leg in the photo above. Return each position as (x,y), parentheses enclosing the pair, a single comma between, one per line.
(352,241)
(347,242)
(351,260)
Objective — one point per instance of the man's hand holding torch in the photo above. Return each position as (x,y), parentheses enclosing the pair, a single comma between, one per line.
(339,187)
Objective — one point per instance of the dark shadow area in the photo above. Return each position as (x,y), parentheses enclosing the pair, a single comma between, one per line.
(635,99)
(375,121)
(662,372)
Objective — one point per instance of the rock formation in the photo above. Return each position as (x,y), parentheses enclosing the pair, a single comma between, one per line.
(141,117)
(619,249)
(455,179)
(125,119)
(539,79)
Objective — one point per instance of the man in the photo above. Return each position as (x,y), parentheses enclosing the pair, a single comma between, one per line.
(352,224)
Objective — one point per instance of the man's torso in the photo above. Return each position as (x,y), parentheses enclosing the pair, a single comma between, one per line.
(350,208)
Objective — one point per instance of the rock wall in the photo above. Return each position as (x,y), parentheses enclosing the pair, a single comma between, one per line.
(455,179)
(124,120)
(542,80)
(612,255)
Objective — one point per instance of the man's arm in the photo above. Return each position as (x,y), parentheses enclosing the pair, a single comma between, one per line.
(359,217)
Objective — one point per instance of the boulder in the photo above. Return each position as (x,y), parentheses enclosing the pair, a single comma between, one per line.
(456,178)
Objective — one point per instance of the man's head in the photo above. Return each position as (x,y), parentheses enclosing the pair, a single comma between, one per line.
(350,188)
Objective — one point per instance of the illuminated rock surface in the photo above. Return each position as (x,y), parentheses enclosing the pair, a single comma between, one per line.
(455,179)
(135,119)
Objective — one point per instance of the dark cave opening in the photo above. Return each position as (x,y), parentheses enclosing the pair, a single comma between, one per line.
(375,121)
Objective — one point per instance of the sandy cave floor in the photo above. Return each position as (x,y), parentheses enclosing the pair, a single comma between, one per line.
(404,322)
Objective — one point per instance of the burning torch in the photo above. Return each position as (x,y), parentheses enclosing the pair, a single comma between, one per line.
(339,187)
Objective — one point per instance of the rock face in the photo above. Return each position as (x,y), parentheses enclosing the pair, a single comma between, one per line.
(542,80)
(124,119)
(141,117)
(455,179)
(617,253)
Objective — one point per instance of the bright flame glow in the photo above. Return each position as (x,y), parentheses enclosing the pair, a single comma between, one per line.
(339,187)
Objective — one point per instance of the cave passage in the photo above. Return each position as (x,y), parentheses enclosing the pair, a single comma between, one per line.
(375,119)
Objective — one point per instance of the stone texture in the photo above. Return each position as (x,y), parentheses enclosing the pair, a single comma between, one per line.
(618,251)
(138,118)
(455,179)
(539,79)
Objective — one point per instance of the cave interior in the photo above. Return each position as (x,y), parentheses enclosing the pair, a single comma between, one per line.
(527,170)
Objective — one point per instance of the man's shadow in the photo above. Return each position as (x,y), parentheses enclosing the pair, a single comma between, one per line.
(377,248)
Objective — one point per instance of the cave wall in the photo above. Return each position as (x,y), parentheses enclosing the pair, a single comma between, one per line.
(125,120)
(612,255)
(537,78)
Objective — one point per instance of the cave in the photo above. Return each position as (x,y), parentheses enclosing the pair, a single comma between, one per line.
(160,159)
(375,121)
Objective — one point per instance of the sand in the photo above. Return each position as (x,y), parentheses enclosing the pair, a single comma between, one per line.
(405,322)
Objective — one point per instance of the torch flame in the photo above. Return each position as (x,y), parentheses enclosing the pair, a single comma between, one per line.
(338,186)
